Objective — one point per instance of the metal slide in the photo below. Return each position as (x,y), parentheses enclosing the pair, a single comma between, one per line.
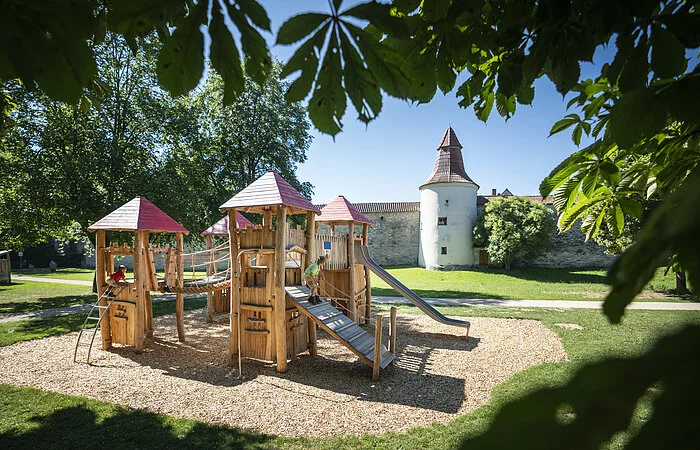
(362,257)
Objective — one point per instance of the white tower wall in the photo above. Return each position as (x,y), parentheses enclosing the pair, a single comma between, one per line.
(456,203)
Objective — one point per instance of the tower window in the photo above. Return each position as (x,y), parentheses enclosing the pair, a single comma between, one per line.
(447,203)
(443,250)
(442,220)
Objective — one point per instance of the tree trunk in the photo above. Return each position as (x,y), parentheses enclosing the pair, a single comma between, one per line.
(681,285)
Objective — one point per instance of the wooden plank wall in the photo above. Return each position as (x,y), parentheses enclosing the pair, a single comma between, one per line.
(296,237)
(339,255)
(256,238)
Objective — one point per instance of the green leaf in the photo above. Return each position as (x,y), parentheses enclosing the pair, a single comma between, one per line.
(684,25)
(619,219)
(435,10)
(525,95)
(139,17)
(635,116)
(565,73)
(667,54)
(673,227)
(298,27)
(225,57)
(380,16)
(328,102)
(590,181)
(576,134)
(361,87)
(631,207)
(255,12)
(483,108)
(561,125)
(181,59)
(258,61)
(636,69)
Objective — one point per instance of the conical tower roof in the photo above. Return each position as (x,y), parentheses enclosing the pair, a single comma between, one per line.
(220,228)
(269,190)
(341,210)
(138,215)
(449,165)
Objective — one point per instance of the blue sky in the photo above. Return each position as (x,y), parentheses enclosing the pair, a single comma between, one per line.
(391,157)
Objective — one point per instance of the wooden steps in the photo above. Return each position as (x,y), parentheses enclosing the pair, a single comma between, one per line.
(340,326)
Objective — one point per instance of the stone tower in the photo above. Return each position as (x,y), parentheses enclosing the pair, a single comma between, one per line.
(447,210)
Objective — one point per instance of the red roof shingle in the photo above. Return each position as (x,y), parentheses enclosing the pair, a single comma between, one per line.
(341,210)
(139,214)
(220,228)
(270,189)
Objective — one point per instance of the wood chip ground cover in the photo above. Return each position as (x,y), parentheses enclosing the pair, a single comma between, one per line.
(438,376)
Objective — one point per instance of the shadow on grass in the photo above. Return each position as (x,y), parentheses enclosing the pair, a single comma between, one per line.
(125,429)
(546,275)
(45,303)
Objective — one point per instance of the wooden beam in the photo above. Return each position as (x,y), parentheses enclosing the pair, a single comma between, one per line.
(180,298)
(368,284)
(210,295)
(392,330)
(352,285)
(101,280)
(139,280)
(377,346)
(309,259)
(152,282)
(279,300)
(233,316)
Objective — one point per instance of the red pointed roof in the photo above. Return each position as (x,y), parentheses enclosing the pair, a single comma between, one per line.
(268,190)
(341,210)
(220,228)
(449,165)
(138,215)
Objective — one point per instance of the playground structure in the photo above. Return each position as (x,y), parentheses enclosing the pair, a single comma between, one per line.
(5,269)
(219,301)
(261,285)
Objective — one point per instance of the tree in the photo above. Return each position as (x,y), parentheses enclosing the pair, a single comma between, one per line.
(513,228)
(214,150)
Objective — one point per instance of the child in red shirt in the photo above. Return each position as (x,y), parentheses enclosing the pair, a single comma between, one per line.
(115,280)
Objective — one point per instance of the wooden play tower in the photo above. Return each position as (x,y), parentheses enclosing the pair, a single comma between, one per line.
(219,301)
(271,318)
(349,285)
(129,319)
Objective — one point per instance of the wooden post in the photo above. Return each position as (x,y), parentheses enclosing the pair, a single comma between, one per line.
(210,295)
(180,298)
(368,283)
(310,258)
(233,291)
(392,330)
(139,274)
(377,346)
(101,280)
(352,286)
(267,219)
(279,301)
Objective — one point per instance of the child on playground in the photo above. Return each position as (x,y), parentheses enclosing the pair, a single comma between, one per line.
(311,275)
(114,280)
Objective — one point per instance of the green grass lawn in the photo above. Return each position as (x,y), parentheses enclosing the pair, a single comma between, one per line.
(518,284)
(62,274)
(24,296)
(31,418)
(25,330)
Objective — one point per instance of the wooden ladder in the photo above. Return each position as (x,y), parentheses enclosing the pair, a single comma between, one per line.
(340,326)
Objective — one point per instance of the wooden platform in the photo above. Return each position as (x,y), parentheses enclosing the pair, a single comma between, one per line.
(338,325)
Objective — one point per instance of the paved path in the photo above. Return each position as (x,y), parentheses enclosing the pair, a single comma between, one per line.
(666,306)
(540,303)
(51,280)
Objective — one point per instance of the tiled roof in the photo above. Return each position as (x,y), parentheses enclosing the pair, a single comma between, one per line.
(385,207)
(341,210)
(449,139)
(220,228)
(138,214)
(449,165)
(270,189)
(484,199)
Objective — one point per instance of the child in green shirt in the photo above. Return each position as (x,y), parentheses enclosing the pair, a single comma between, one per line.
(311,275)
